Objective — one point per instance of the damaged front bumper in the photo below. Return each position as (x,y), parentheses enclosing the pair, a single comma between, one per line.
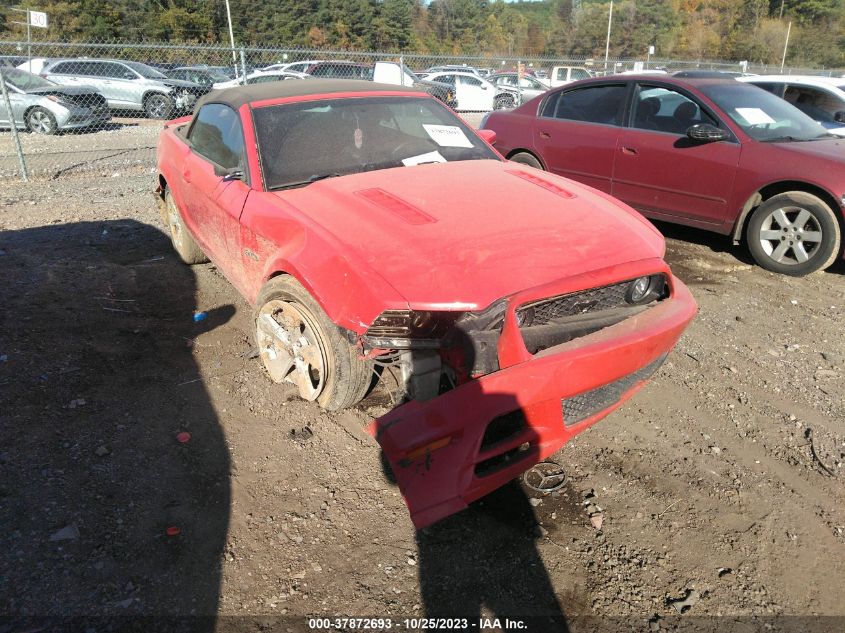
(458,447)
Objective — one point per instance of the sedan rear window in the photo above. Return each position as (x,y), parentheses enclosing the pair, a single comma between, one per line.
(594,104)
(300,143)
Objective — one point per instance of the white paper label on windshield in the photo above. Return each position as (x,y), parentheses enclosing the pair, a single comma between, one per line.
(430,157)
(447,135)
(754,116)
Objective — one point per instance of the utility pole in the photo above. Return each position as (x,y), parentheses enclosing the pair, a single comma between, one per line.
(607,44)
(232,38)
(785,46)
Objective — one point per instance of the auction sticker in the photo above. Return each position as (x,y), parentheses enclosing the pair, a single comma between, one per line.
(754,116)
(447,135)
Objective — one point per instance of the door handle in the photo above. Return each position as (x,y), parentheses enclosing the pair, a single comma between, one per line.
(545,135)
(630,151)
(186,175)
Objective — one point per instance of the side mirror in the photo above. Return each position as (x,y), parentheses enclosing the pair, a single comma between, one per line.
(487,135)
(839,116)
(706,133)
(233,173)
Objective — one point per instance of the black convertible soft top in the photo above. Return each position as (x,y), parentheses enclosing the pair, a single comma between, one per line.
(239,95)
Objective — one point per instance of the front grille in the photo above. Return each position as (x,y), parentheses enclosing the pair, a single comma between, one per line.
(578,408)
(90,100)
(582,302)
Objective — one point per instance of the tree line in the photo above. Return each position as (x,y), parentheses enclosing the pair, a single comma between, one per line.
(754,30)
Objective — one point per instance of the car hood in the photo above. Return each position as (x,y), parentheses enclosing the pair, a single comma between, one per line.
(828,148)
(461,235)
(63,90)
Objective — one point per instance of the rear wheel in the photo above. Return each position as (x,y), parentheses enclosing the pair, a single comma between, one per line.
(524,158)
(158,106)
(794,233)
(299,344)
(183,242)
(41,121)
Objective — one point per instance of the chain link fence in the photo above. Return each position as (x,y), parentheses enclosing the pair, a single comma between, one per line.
(106,111)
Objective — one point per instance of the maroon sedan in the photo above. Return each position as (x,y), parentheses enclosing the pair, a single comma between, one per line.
(715,154)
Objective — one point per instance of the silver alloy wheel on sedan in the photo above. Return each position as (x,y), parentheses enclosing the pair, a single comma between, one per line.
(40,121)
(790,235)
(290,347)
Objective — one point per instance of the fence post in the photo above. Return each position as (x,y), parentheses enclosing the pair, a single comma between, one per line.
(243,65)
(13,126)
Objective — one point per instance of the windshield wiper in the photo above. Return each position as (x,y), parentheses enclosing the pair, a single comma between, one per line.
(822,137)
(302,183)
(782,139)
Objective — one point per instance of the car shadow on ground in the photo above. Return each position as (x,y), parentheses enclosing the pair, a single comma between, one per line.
(107,509)
(482,562)
(720,246)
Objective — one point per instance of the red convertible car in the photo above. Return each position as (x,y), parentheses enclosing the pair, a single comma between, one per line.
(716,154)
(376,233)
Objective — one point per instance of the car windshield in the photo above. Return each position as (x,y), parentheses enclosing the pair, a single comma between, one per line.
(25,81)
(147,72)
(300,143)
(762,115)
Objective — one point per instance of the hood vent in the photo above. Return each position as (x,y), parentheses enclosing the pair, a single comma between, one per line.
(541,182)
(397,206)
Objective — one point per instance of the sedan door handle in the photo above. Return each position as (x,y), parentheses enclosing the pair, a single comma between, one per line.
(186,175)
(630,151)
(545,135)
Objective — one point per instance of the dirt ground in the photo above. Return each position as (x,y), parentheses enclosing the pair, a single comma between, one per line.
(720,482)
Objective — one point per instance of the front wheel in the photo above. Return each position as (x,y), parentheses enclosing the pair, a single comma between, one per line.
(794,233)
(158,106)
(503,102)
(299,344)
(41,121)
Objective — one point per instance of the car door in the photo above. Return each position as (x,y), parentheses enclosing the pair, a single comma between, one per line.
(479,94)
(67,73)
(577,130)
(213,202)
(660,171)
(123,83)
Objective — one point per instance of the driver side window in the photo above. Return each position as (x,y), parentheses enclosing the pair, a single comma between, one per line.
(217,136)
(664,110)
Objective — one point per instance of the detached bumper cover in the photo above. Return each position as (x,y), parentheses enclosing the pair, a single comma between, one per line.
(445,453)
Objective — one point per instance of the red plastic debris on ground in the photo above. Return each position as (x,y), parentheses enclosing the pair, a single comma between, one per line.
(183,437)
(173,530)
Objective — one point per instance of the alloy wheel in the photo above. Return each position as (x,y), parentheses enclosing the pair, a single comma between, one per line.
(790,235)
(290,347)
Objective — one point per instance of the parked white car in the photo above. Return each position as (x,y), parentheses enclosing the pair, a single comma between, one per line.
(294,67)
(473,93)
(262,76)
(820,98)
(34,65)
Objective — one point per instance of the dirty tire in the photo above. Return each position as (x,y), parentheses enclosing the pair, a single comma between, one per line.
(503,103)
(41,121)
(347,376)
(524,158)
(794,233)
(183,242)
(158,106)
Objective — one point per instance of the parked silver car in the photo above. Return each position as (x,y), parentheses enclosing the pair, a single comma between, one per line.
(128,85)
(531,86)
(44,107)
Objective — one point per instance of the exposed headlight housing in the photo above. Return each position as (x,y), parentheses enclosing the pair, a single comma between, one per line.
(403,329)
